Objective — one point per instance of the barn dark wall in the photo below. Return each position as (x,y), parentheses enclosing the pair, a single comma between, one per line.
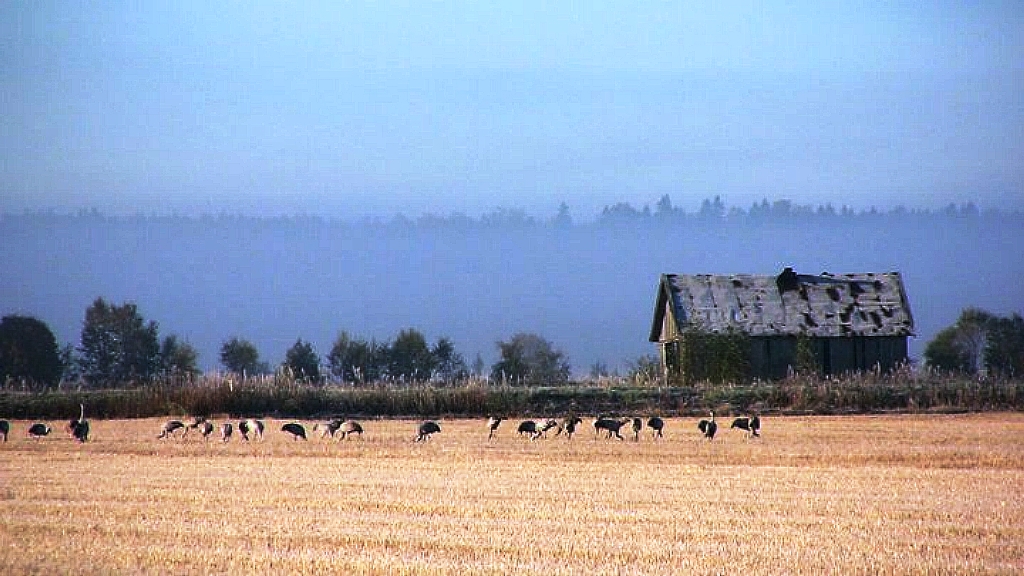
(771,357)
(838,355)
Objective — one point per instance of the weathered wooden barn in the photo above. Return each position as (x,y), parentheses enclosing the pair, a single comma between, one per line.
(850,322)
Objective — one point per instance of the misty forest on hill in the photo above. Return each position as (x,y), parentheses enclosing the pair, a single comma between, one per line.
(587,285)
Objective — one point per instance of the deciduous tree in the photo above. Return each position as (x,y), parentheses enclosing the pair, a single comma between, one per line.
(303,361)
(1004,352)
(241,357)
(944,353)
(118,346)
(356,360)
(531,360)
(961,347)
(410,357)
(178,359)
(28,351)
(450,366)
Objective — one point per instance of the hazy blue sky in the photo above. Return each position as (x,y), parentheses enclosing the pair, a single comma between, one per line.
(372,108)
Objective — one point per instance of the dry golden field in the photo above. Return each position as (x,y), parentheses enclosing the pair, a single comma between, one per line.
(842,495)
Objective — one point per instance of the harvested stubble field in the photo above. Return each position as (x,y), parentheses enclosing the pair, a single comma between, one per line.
(859,494)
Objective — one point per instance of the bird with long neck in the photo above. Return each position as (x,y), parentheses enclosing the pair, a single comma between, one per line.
(492,426)
(80,428)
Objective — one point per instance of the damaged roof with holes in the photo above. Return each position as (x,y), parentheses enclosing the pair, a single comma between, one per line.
(790,304)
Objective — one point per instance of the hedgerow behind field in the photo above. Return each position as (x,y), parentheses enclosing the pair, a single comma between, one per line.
(901,391)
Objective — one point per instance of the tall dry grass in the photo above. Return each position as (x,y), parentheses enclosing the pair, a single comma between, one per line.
(852,495)
(281,396)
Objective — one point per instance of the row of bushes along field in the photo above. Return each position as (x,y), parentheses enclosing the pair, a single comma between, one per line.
(224,395)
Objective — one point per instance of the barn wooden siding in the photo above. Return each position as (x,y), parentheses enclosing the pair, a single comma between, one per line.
(771,357)
(851,322)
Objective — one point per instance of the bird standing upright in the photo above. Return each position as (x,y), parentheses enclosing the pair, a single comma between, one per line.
(708,427)
(492,426)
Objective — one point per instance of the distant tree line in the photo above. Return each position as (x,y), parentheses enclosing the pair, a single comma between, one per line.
(120,348)
(711,211)
(526,359)
(714,210)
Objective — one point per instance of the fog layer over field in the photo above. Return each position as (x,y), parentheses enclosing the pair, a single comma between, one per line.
(587,287)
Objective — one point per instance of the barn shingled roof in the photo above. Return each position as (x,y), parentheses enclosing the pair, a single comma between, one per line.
(826,305)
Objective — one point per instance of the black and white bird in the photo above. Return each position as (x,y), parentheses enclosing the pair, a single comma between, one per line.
(610,425)
(329,428)
(549,424)
(569,424)
(79,429)
(656,425)
(750,425)
(38,430)
(205,428)
(256,428)
(425,429)
(5,429)
(637,425)
(529,428)
(251,426)
(350,427)
(295,429)
(492,426)
(708,427)
(225,431)
(171,426)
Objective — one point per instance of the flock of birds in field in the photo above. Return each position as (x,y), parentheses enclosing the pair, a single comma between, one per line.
(342,428)
(613,427)
(77,428)
(251,428)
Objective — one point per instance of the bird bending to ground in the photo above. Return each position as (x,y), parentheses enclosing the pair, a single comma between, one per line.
(528,427)
(38,430)
(330,428)
(750,425)
(569,424)
(611,426)
(637,425)
(295,429)
(204,426)
(425,429)
(350,427)
(172,426)
(656,425)
(251,426)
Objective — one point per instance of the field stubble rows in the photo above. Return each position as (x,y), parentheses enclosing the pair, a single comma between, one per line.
(871,495)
